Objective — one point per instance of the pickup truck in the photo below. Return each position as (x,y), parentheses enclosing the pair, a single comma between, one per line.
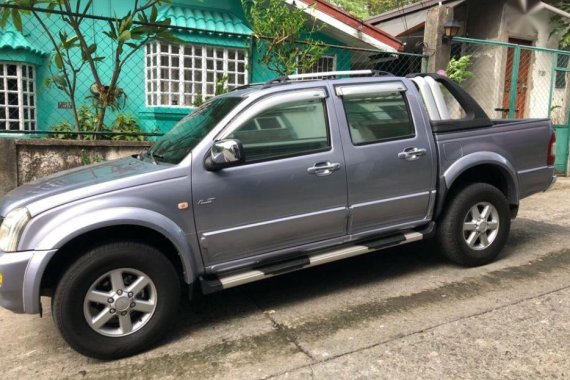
(265,180)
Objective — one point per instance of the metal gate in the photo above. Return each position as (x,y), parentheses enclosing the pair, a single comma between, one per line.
(560,115)
(517,80)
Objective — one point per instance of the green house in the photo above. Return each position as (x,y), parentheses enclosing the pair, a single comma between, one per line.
(163,81)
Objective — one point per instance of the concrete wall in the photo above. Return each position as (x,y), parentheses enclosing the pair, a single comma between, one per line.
(25,160)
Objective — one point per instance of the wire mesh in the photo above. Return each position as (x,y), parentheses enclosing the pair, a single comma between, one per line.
(161,83)
(514,81)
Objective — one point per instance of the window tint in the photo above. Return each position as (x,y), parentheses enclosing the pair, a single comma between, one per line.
(288,129)
(377,117)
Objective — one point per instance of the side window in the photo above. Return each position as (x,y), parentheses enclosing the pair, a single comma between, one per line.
(289,129)
(377,117)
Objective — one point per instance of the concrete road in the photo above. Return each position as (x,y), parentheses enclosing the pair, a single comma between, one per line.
(397,314)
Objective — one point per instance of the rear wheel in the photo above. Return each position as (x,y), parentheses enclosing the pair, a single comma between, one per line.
(475,225)
(116,300)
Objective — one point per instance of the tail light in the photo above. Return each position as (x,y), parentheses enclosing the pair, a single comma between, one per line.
(551,150)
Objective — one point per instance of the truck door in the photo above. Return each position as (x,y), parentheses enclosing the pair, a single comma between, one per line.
(390,156)
(290,191)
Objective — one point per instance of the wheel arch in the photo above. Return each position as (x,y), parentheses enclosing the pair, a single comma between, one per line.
(62,246)
(74,248)
(485,167)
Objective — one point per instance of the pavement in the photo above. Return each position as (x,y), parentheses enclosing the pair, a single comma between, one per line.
(395,314)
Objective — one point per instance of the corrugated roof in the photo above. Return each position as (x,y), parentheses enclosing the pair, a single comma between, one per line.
(12,39)
(209,20)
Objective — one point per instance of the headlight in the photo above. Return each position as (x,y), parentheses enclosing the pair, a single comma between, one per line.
(11,229)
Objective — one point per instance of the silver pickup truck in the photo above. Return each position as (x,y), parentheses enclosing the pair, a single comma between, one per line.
(265,180)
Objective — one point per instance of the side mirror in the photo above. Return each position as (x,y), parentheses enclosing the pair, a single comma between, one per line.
(223,154)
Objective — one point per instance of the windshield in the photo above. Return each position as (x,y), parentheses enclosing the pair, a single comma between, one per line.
(188,132)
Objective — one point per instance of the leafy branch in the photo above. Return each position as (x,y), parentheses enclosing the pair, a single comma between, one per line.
(561,25)
(278,30)
(458,69)
(127,35)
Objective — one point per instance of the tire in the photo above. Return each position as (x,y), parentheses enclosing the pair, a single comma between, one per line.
(469,243)
(151,306)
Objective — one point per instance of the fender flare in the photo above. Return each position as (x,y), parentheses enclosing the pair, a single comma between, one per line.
(472,160)
(57,237)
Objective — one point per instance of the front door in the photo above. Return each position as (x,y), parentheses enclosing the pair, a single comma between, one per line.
(522,78)
(290,191)
(390,166)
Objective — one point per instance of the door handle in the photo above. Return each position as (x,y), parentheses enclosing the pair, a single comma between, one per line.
(322,169)
(412,154)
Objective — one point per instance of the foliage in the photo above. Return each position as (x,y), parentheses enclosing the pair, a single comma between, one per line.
(278,28)
(376,7)
(367,8)
(356,7)
(198,100)
(221,86)
(561,25)
(87,159)
(65,130)
(128,34)
(126,124)
(458,69)
(88,122)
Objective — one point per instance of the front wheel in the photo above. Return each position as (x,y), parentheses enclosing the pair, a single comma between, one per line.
(475,226)
(116,300)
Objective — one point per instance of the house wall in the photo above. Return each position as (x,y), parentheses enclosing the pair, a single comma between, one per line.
(501,21)
(52,102)
(488,61)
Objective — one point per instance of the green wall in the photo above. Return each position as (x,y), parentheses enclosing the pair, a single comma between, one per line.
(132,79)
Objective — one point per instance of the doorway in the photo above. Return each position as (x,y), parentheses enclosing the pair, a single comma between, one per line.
(524,64)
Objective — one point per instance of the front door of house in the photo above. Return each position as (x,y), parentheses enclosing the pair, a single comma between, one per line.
(522,79)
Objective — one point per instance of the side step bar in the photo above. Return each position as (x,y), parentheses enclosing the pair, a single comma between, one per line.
(210,285)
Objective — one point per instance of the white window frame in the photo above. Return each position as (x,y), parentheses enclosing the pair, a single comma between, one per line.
(25,90)
(327,56)
(190,69)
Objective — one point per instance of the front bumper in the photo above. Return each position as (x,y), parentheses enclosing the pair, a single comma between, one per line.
(22,274)
(13,272)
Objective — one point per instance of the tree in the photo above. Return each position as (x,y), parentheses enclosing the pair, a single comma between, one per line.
(376,7)
(127,35)
(356,7)
(561,25)
(285,35)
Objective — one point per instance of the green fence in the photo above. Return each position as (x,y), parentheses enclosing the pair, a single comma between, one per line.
(160,84)
(512,80)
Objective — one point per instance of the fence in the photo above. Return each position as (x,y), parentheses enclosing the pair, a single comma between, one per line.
(159,84)
(518,81)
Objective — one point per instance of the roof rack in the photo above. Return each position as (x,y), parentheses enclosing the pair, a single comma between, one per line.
(324,75)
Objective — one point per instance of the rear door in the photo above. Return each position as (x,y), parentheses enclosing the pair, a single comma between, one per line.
(390,158)
(290,191)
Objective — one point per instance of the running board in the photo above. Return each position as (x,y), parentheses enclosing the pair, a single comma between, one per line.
(213,284)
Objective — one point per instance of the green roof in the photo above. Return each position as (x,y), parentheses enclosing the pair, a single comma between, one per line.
(207,20)
(10,38)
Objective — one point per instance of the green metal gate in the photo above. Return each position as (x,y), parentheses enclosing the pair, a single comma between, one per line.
(560,115)
(518,80)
